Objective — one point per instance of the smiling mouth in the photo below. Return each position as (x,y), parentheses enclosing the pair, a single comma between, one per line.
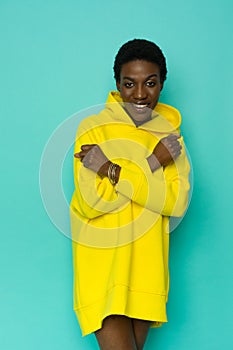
(141,108)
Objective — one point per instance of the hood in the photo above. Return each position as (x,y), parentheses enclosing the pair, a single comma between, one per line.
(165,118)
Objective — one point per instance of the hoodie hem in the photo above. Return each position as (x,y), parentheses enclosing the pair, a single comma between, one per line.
(120,300)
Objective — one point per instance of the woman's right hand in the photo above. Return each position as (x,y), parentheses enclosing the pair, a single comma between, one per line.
(165,152)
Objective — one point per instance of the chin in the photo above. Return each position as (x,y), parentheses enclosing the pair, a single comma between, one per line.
(140,116)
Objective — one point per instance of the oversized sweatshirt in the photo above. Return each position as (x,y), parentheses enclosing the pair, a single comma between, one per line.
(121,232)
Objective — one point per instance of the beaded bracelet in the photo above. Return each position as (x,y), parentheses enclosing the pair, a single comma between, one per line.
(112,173)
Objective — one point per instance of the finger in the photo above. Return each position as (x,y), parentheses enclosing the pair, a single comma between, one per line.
(175,144)
(173,136)
(177,153)
(80,154)
(175,141)
(87,147)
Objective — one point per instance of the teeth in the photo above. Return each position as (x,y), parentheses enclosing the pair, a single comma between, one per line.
(139,106)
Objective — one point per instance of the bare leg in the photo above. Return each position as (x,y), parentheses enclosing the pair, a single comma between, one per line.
(116,334)
(140,328)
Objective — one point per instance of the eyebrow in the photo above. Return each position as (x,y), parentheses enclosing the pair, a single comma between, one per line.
(150,76)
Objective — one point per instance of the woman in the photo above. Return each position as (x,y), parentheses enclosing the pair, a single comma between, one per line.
(131,175)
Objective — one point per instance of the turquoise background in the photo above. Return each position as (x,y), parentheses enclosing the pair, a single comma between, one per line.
(56,59)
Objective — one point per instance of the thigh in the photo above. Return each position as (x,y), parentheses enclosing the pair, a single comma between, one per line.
(140,328)
(116,334)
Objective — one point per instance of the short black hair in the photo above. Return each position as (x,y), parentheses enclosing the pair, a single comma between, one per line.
(140,49)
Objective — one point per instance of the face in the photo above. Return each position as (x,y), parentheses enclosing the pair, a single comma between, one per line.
(140,87)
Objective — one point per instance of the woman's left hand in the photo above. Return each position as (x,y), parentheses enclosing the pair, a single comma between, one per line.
(93,158)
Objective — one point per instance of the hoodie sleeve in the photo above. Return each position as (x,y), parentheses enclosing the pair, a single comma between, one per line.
(93,196)
(165,191)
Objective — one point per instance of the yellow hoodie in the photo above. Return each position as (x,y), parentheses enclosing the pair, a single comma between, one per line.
(120,233)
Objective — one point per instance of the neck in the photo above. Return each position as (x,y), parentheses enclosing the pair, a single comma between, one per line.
(140,122)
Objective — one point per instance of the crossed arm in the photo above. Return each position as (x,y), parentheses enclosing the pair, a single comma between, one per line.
(159,184)
(165,152)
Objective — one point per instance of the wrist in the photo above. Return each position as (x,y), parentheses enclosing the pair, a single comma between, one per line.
(114,173)
(103,170)
(153,162)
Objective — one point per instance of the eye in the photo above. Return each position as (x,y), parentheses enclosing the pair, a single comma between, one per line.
(128,85)
(150,83)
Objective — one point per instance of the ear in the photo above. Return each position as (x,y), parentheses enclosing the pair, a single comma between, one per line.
(118,85)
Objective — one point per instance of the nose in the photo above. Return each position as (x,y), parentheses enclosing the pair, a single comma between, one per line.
(140,92)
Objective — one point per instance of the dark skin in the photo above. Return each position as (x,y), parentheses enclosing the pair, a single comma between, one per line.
(165,152)
(122,333)
(140,86)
